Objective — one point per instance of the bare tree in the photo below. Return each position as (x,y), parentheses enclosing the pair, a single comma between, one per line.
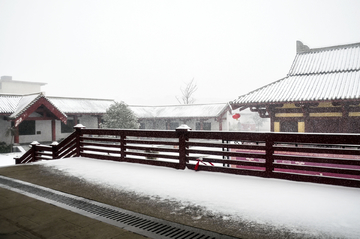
(187,93)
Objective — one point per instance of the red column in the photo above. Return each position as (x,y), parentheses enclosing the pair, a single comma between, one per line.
(16,135)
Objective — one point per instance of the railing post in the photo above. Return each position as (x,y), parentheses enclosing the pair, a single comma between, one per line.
(55,153)
(183,137)
(122,147)
(78,129)
(17,160)
(33,146)
(269,163)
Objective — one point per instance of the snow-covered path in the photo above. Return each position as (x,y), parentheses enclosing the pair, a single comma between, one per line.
(296,206)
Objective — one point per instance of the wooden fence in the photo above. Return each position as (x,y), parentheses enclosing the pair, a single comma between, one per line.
(321,158)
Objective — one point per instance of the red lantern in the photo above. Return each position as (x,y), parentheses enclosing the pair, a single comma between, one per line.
(236,116)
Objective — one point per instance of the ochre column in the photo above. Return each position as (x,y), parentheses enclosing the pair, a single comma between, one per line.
(276,127)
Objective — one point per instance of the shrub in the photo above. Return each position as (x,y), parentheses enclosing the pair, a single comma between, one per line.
(5,148)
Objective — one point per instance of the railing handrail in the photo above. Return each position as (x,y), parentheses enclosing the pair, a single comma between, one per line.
(269,151)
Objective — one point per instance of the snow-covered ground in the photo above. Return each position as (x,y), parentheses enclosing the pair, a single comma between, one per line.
(297,206)
(7,159)
(293,205)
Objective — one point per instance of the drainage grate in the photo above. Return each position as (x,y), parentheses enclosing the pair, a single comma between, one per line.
(128,220)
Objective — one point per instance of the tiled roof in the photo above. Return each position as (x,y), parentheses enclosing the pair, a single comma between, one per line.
(16,104)
(345,58)
(8,103)
(322,74)
(81,105)
(24,103)
(180,111)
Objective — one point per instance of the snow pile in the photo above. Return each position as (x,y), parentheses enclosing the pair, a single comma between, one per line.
(293,205)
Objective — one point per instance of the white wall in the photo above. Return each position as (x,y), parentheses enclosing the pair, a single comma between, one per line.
(160,124)
(4,125)
(246,122)
(16,87)
(87,120)
(42,133)
(43,130)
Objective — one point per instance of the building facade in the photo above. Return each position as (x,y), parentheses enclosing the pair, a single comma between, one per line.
(321,92)
(9,86)
(36,117)
(196,116)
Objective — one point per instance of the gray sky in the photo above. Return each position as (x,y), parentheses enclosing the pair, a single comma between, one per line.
(143,52)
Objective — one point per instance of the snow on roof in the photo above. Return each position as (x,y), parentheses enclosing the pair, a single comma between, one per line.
(81,105)
(330,73)
(180,111)
(8,103)
(343,58)
(24,103)
(17,104)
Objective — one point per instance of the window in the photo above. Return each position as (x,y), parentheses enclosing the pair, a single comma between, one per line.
(289,126)
(27,127)
(173,125)
(68,127)
(206,126)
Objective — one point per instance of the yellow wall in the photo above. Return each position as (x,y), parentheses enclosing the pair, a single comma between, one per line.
(301,127)
(276,126)
(330,114)
(289,115)
(354,113)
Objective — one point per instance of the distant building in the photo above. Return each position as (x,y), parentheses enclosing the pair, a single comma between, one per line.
(8,85)
(40,118)
(196,116)
(321,92)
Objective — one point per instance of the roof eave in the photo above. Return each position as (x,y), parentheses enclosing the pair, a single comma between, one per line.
(21,116)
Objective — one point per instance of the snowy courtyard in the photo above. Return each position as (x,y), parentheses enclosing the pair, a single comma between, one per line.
(311,209)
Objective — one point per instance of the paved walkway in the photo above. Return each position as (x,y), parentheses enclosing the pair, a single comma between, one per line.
(25,217)
(21,215)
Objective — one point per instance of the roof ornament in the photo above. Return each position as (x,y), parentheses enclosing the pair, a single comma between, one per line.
(301,48)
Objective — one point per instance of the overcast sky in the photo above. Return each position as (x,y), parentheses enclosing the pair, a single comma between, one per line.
(143,52)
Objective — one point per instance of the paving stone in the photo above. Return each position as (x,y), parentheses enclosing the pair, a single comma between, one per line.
(25,217)
(55,227)
(9,230)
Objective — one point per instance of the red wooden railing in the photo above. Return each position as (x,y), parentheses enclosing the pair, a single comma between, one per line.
(65,149)
(320,158)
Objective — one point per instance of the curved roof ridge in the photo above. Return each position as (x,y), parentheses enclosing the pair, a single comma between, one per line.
(178,105)
(329,48)
(76,98)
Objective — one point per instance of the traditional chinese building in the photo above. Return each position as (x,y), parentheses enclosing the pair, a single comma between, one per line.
(321,92)
(196,116)
(36,117)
